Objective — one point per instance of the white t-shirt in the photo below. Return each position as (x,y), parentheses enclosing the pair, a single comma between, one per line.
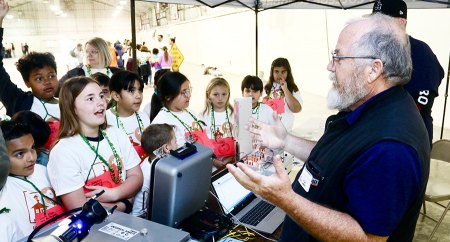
(131,125)
(143,57)
(221,123)
(147,109)
(24,201)
(9,229)
(140,200)
(263,113)
(287,118)
(71,159)
(165,117)
(45,110)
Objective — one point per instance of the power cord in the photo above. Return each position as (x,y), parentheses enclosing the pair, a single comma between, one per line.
(246,233)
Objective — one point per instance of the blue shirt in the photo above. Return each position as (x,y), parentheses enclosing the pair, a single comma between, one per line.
(378,202)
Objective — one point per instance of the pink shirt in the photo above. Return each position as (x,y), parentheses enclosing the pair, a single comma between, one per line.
(165,64)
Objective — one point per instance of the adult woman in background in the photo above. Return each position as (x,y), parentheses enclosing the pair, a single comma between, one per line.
(98,59)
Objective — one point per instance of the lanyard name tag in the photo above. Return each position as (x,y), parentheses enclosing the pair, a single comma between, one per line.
(305,179)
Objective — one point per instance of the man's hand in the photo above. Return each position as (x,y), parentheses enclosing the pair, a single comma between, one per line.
(275,188)
(272,136)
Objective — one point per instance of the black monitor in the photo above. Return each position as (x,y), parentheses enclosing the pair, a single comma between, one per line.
(179,184)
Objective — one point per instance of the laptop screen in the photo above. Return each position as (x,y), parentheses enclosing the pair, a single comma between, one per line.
(229,191)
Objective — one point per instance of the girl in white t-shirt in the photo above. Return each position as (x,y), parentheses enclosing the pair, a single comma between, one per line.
(126,90)
(218,115)
(89,156)
(154,137)
(283,94)
(174,91)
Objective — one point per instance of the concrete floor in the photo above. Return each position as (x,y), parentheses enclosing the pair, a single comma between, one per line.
(309,124)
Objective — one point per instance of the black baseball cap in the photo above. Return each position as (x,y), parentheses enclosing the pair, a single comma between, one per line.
(393,8)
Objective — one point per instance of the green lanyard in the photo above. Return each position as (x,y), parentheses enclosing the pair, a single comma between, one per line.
(92,165)
(120,123)
(46,111)
(39,191)
(256,110)
(116,156)
(189,129)
(213,122)
(5,210)
(88,68)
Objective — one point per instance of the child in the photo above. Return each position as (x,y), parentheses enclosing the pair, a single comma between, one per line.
(218,116)
(174,91)
(154,61)
(103,80)
(89,156)
(154,137)
(252,86)
(282,92)
(126,90)
(38,71)
(27,194)
(40,132)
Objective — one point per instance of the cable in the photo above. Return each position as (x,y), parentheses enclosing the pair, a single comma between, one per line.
(234,217)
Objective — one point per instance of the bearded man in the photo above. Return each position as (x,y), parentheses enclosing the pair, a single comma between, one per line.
(365,178)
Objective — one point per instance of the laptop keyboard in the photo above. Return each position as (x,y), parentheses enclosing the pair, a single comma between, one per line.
(257,213)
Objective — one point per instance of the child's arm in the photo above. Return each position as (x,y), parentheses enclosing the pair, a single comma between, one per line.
(11,96)
(127,189)
(292,102)
(74,199)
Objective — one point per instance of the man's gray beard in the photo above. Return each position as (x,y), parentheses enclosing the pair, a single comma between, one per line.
(350,91)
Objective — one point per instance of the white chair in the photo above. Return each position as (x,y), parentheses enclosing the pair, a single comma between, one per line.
(438,188)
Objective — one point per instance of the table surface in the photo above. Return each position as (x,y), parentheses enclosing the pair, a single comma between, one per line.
(234,233)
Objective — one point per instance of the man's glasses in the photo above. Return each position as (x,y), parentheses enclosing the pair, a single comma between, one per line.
(187,93)
(335,57)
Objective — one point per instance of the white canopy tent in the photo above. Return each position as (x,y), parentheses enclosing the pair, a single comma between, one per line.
(257,6)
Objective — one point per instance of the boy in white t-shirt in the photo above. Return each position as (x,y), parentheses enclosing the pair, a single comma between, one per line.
(27,195)
(154,137)
(252,86)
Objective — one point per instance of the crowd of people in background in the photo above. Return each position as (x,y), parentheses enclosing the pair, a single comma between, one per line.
(71,138)
(148,60)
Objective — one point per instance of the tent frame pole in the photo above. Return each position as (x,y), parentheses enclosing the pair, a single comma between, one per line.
(133,34)
(445,97)
(256,37)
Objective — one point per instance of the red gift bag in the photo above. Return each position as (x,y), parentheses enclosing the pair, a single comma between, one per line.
(54,127)
(201,137)
(277,104)
(141,152)
(224,147)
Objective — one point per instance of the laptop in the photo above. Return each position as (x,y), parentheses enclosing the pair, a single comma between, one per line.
(248,210)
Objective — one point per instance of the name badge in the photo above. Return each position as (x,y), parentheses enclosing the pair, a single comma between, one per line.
(305,179)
